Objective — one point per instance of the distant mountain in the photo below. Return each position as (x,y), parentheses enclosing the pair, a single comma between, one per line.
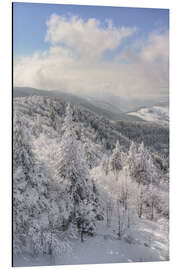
(124,105)
(101,107)
(157,114)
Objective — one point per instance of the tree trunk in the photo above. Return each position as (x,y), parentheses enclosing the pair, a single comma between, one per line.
(82,239)
(128,219)
(140,201)
(119,220)
(140,210)
(152,211)
(108,214)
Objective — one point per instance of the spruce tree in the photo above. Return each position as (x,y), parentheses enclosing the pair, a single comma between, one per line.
(72,171)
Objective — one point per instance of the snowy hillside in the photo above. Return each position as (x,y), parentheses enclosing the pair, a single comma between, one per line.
(85,190)
(145,242)
(100,129)
(156,114)
(101,107)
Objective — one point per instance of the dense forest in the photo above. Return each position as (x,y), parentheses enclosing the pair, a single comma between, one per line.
(77,174)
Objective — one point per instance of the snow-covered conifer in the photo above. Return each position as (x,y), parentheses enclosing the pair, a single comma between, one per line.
(116,161)
(22,153)
(141,165)
(72,171)
(92,152)
(36,208)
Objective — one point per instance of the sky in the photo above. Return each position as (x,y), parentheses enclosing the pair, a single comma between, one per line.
(91,50)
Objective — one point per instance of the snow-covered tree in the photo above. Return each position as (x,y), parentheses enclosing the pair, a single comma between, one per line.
(29,191)
(116,161)
(92,152)
(143,170)
(118,197)
(22,153)
(37,209)
(125,193)
(132,156)
(72,171)
(141,165)
(103,182)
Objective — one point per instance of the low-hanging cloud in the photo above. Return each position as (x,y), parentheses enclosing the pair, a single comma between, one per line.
(75,60)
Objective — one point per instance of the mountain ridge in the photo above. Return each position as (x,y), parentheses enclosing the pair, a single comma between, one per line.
(96,106)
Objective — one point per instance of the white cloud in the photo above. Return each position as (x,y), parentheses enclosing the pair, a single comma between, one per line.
(75,62)
(156,48)
(88,39)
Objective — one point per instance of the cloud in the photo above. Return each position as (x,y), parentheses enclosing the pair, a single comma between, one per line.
(88,39)
(147,65)
(75,61)
(156,48)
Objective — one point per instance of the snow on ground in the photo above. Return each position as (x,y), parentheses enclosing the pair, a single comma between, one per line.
(156,114)
(144,242)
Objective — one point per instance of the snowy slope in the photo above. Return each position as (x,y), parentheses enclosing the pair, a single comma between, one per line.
(149,243)
(156,114)
(146,241)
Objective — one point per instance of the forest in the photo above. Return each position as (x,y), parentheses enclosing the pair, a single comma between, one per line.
(82,181)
